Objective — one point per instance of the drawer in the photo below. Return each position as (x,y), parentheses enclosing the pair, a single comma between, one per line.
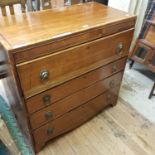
(46,72)
(74,118)
(70,41)
(59,92)
(67,104)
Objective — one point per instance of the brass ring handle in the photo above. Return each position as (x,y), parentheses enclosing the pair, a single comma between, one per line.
(114,68)
(47,99)
(48,115)
(44,75)
(50,131)
(119,48)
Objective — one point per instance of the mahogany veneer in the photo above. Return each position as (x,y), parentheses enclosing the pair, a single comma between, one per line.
(67,65)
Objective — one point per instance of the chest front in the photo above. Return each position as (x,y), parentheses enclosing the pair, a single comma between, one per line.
(72,70)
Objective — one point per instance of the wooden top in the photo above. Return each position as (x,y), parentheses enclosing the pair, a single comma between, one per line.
(32,28)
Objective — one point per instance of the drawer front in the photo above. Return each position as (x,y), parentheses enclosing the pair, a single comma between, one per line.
(70,41)
(63,106)
(49,97)
(46,72)
(74,118)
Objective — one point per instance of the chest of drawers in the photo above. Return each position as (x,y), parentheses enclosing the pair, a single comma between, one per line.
(66,66)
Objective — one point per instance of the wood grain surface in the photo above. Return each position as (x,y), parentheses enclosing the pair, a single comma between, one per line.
(62,56)
(75,100)
(27,29)
(74,118)
(70,63)
(36,102)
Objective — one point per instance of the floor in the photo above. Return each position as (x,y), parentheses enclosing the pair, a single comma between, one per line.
(126,129)
(136,86)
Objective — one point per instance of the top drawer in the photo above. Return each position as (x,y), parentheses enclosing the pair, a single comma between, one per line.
(46,72)
(70,40)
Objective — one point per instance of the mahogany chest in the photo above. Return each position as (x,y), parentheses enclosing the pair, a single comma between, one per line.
(67,65)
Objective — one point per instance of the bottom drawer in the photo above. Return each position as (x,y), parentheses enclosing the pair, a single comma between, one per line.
(74,118)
